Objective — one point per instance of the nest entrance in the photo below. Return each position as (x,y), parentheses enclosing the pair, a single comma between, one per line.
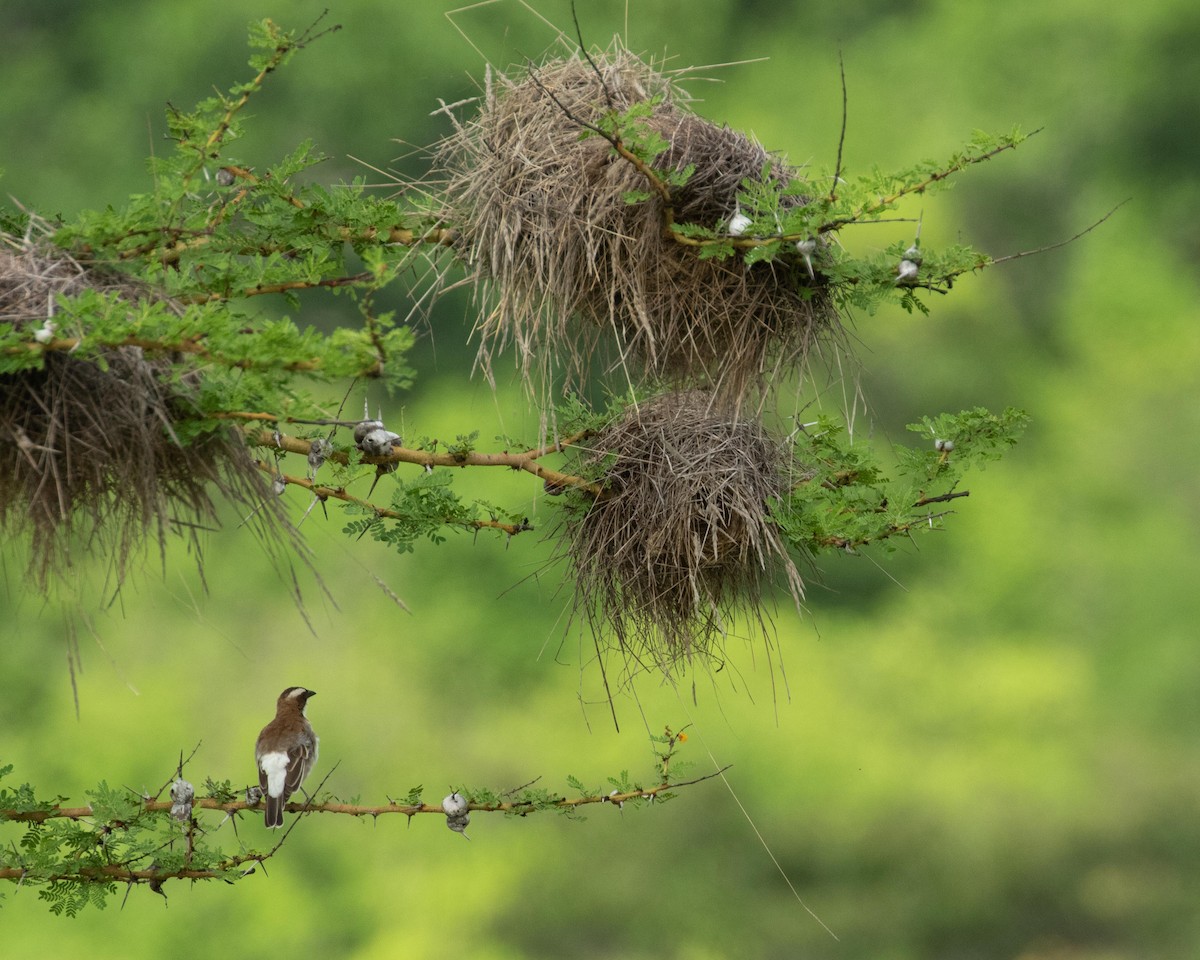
(562,258)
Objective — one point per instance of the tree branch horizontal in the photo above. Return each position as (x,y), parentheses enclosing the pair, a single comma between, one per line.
(526,461)
(520,807)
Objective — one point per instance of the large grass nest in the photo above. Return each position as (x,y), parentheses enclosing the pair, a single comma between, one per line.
(561,257)
(92,462)
(682,538)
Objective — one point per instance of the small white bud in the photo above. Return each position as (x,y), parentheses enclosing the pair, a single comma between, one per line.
(913,254)
(459,824)
(738,224)
(225,177)
(278,485)
(943,446)
(908,271)
(46,333)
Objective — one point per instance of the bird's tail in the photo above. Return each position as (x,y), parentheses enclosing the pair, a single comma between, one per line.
(274,812)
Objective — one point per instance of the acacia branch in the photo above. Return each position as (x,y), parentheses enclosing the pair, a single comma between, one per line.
(867,211)
(182,241)
(893,530)
(116,873)
(323,493)
(883,203)
(526,461)
(189,345)
(260,289)
(518,806)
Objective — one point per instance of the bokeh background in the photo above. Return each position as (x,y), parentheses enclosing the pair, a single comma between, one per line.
(988,745)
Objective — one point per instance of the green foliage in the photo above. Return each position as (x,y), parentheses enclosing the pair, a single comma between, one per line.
(22,799)
(78,857)
(184,266)
(213,236)
(842,498)
(781,227)
(76,860)
(420,508)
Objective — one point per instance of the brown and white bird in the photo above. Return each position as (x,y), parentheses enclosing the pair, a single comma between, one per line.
(285,752)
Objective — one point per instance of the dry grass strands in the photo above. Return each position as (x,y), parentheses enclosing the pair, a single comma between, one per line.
(682,539)
(92,462)
(553,242)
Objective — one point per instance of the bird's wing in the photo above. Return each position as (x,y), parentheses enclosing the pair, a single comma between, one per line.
(300,761)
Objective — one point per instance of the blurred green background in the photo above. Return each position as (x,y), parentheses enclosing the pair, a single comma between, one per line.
(989,743)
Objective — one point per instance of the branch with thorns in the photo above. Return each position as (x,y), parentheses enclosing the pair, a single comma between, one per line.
(518,806)
(526,461)
(323,493)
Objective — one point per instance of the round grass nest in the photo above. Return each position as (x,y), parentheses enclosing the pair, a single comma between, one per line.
(92,457)
(561,257)
(681,536)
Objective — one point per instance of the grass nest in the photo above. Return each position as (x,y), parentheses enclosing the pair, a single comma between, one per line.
(561,257)
(681,538)
(93,459)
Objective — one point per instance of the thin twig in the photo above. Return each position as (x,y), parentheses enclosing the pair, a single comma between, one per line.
(837,167)
(322,492)
(1061,243)
(587,56)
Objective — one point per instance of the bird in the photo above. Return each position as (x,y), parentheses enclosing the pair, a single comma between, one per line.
(285,752)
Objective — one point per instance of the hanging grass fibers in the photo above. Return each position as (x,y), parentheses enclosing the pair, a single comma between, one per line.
(561,256)
(681,537)
(91,459)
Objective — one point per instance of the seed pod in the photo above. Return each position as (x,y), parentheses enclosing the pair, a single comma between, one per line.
(455,805)
(364,427)
(46,333)
(317,452)
(182,793)
(378,442)
(806,248)
(738,224)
